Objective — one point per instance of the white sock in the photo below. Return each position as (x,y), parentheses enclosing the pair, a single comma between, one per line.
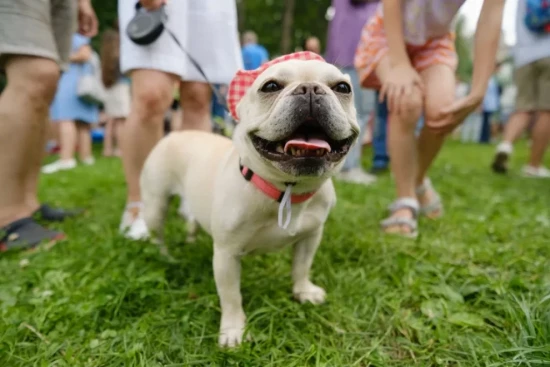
(505,147)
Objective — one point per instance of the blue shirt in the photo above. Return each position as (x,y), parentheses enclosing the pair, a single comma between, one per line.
(254,56)
(491,102)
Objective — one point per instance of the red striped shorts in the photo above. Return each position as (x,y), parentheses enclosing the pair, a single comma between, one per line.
(373,46)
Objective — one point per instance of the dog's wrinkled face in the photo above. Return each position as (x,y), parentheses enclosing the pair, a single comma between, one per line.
(299,117)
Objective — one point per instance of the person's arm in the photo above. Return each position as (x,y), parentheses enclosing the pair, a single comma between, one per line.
(87,19)
(486,45)
(81,55)
(393,25)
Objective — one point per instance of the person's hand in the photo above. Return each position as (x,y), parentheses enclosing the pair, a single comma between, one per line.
(453,115)
(152,4)
(87,20)
(399,86)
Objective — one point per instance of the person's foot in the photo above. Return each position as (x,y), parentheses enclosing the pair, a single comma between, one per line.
(535,172)
(48,213)
(500,161)
(90,161)
(357,176)
(26,234)
(60,165)
(429,200)
(403,218)
(132,224)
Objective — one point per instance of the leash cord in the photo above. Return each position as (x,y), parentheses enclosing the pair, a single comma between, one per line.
(216,92)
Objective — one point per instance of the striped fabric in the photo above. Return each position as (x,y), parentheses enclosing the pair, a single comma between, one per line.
(373,46)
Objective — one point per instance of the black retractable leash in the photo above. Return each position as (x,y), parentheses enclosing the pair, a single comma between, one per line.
(147,26)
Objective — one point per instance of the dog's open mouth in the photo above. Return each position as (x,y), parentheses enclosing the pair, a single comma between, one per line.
(309,141)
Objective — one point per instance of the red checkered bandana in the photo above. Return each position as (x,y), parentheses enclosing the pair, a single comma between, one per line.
(245,78)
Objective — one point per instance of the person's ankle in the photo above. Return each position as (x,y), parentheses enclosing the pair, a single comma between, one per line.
(133,207)
(420,181)
(32,204)
(10,216)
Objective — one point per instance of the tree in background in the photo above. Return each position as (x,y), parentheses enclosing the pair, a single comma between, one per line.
(283,25)
(287,28)
(463,50)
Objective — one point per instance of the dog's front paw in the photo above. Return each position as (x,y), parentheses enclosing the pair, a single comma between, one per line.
(309,292)
(231,337)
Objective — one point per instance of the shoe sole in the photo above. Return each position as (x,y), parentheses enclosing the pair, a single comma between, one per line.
(500,164)
(45,244)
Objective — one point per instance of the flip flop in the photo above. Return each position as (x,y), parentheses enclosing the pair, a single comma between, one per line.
(26,234)
(48,213)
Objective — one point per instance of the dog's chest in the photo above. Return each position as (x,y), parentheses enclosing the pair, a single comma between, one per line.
(267,236)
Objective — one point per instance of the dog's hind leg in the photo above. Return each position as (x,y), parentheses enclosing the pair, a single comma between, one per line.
(155,185)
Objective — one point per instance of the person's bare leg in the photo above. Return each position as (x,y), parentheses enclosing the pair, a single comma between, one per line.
(84,142)
(514,129)
(176,121)
(118,125)
(108,137)
(516,126)
(151,96)
(31,184)
(24,109)
(541,138)
(439,81)
(402,147)
(67,139)
(196,100)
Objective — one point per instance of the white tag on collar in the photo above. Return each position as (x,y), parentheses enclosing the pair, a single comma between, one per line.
(285,205)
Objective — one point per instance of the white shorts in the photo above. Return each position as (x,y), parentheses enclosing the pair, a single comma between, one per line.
(207,29)
(117,101)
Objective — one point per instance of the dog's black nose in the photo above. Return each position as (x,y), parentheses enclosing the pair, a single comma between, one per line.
(309,88)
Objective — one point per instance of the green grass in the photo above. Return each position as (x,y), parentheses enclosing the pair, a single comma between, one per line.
(472,290)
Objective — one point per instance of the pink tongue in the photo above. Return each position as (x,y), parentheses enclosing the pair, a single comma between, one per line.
(311,144)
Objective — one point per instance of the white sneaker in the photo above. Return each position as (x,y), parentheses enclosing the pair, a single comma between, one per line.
(536,172)
(133,228)
(88,161)
(60,165)
(357,176)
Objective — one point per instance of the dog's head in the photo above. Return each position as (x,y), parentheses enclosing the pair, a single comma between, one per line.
(297,120)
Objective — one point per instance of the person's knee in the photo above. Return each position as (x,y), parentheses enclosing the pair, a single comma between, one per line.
(151,102)
(35,78)
(411,109)
(196,98)
(432,112)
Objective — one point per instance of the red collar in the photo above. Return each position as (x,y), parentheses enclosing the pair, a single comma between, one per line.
(271,190)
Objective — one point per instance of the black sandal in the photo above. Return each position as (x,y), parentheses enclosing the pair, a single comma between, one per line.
(48,213)
(26,234)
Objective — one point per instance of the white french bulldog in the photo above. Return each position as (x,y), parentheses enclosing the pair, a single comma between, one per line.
(268,188)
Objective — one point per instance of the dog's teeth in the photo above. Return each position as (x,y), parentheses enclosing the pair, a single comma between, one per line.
(279,149)
(292,151)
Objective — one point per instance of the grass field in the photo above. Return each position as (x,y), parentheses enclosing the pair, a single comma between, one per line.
(472,290)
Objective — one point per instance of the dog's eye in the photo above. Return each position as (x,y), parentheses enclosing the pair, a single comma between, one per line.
(342,87)
(271,86)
